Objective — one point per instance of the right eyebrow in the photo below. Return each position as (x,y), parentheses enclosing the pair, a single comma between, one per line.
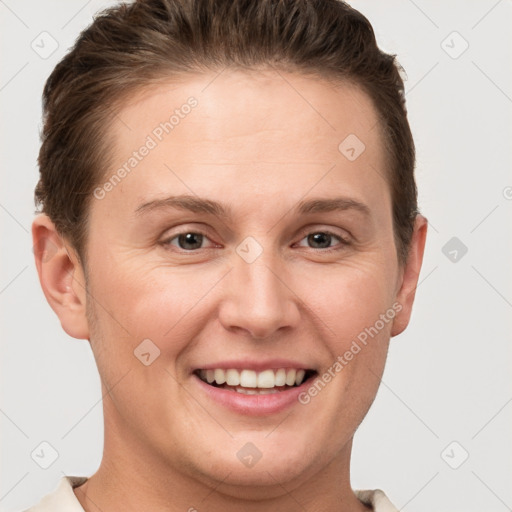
(187,202)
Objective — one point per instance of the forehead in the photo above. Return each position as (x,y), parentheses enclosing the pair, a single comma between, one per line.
(234,106)
(255,132)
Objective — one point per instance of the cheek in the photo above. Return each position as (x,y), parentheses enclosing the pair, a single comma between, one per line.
(355,305)
(170,305)
(350,297)
(163,304)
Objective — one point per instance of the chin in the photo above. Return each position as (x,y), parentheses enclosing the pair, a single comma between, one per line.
(254,467)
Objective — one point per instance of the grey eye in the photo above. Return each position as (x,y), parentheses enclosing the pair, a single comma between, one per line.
(188,241)
(321,240)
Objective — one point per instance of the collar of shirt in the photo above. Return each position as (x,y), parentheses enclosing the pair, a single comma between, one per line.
(63,499)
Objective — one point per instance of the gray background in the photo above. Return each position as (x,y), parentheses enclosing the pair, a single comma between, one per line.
(448,376)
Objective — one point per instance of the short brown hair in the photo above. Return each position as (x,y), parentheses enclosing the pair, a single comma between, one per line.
(130,46)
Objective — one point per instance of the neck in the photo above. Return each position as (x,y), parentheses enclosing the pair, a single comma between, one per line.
(138,479)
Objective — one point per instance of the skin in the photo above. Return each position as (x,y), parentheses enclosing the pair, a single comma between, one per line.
(259,147)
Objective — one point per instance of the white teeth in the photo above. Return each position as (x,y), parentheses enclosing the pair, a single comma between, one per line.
(248,379)
(220,376)
(290,377)
(255,391)
(240,389)
(300,376)
(280,377)
(265,380)
(232,378)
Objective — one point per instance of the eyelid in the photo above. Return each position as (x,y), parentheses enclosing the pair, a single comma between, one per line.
(319,228)
(343,241)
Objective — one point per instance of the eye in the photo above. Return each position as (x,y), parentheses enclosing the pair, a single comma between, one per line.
(191,241)
(323,239)
(187,241)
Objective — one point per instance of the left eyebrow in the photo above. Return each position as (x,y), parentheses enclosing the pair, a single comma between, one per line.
(334,204)
(201,205)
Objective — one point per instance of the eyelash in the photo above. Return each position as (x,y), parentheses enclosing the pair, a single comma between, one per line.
(343,242)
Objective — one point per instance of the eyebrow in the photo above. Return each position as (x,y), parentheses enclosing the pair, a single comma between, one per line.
(202,205)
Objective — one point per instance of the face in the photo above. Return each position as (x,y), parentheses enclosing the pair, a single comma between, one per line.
(247,242)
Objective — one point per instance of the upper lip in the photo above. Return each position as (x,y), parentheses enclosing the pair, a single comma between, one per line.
(251,364)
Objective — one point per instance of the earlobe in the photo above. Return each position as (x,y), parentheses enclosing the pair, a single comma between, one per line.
(409,276)
(61,277)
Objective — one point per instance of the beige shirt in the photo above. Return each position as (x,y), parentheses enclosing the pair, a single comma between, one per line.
(63,499)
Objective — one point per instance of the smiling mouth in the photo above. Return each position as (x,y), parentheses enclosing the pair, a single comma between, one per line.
(250,382)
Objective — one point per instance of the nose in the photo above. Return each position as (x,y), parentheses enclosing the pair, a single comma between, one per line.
(257,299)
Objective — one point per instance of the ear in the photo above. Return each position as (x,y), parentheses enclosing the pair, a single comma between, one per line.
(61,276)
(409,275)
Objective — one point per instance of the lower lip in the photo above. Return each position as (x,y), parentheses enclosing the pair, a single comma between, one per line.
(254,405)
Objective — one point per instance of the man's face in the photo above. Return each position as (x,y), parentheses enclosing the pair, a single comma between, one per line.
(264,287)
